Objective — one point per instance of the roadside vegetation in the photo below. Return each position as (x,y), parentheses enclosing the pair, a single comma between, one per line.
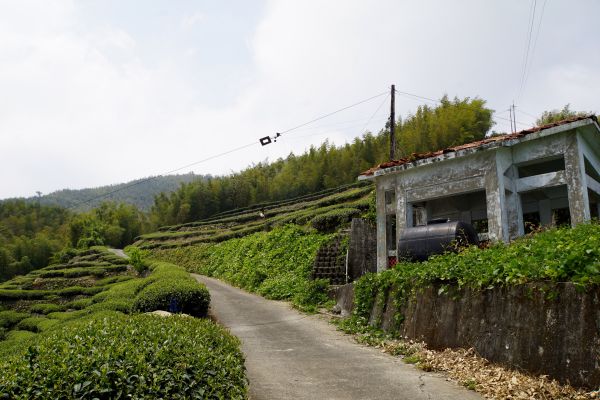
(275,264)
(555,255)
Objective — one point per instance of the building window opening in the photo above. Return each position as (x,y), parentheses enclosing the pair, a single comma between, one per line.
(390,228)
(561,217)
(531,222)
(419,215)
(480,225)
(594,205)
(539,167)
(390,196)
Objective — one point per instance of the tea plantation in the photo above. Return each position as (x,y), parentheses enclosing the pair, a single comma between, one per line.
(76,330)
(324,212)
(268,249)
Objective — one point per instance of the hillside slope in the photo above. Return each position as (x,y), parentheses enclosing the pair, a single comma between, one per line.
(139,192)
(324,211)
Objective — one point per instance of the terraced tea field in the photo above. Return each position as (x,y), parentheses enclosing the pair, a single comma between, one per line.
(324,211)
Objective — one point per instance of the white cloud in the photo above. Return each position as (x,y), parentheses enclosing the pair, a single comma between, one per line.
(82,105)
(189,21)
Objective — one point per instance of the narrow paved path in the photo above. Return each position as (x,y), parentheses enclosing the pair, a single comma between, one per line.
(118,252)
(290,355)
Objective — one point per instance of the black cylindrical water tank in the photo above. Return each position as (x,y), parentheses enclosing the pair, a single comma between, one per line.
(419,242)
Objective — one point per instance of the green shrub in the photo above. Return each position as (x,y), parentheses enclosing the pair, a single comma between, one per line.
(79,303)
(36,324)
(331,220)
(174,295)
(113,279)
(276,264)
(67,315)
(45,308)
(15,337)
(10,318)
(10,294)
(109,355)
(136,258)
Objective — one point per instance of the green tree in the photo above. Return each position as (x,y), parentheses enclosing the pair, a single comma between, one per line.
(552,116)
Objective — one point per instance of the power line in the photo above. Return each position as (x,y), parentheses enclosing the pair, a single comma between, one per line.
(411,95)
(332,113)
(325,130)
(158,176)
(438,102)
(537,35)
(526,54)
(218,155)
(526,113)
(376,111)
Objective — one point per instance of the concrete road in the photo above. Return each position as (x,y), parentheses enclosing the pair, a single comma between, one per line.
(290,355)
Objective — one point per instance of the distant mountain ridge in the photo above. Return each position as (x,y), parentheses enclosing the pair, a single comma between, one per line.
(139,192)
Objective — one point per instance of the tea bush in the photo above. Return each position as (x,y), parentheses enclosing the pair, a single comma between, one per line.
(329,221)
(174,294)
(110,355)
(36,324)
(10,318)
(45,308)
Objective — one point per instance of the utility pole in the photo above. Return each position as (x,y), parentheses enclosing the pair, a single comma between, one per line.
(392,124)
(514,114)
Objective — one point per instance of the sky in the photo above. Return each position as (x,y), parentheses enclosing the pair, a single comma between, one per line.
(97,92)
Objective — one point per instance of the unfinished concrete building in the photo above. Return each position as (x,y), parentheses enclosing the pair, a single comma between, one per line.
(502,185)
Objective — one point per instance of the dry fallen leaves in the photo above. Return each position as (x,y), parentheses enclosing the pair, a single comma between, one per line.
(491,380)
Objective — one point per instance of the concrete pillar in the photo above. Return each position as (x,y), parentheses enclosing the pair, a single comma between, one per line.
(579,203)
(495,195)
(401,209)
(514,208)
(381,236)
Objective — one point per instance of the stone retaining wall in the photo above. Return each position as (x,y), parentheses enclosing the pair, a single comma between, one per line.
(551,329)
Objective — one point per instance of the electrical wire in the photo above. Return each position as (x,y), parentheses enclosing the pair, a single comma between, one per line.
(527,48)
(332,113)
(438,102)
(535,41)
(104,195)
(526,113)
(376,111)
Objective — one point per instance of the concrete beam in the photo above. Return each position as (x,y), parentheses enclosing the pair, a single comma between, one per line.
(466,185)
(545,147)
(593,184)
(590,155)
(541,181)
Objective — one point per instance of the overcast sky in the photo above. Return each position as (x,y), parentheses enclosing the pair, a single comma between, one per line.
(98,92)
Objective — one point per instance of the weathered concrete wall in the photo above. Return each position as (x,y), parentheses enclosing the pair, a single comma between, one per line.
(362,249)
(544,329)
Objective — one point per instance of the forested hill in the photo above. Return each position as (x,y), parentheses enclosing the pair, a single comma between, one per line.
(139,193)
